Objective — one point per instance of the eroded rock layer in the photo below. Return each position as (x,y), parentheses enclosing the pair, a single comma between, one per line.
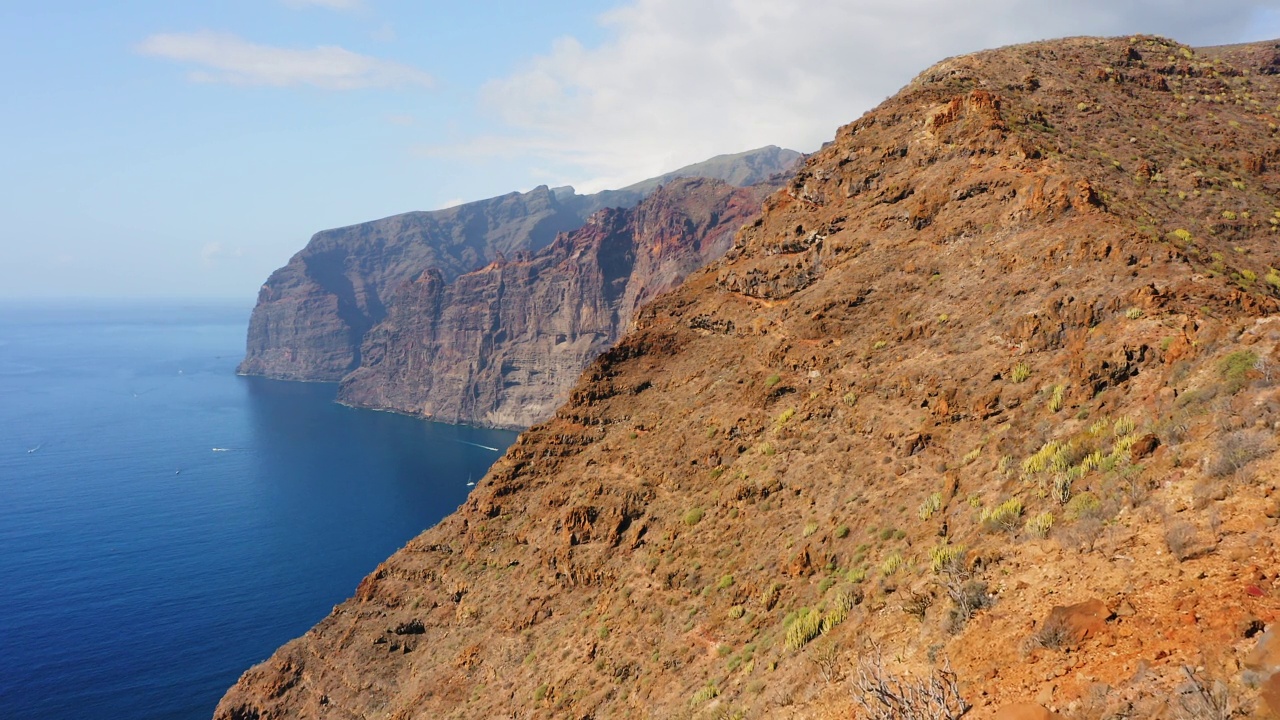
(503,345)
(313,313)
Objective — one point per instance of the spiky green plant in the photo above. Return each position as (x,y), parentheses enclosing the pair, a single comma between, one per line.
(1040,525)
(1003,517)
(931,505)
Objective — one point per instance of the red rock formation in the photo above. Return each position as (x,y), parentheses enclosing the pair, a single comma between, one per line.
(503,345)
(313,313)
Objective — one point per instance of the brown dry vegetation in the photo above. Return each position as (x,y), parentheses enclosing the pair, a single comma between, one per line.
(1004,346)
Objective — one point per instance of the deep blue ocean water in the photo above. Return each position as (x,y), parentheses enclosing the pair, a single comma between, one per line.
(141,571)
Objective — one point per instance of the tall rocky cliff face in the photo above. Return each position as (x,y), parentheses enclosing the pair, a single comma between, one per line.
(503,345)
(987,396)
(313,313)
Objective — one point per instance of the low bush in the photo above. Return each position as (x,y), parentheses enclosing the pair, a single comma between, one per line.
(1234,369)
(1005,517)
(806,626)
(1237,449)
(704,695)
(931,505)
(1040,525)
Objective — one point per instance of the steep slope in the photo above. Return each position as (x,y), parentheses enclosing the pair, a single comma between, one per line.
(312,314)
(503,345)
(990,386)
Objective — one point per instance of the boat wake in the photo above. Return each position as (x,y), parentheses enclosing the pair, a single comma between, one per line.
(484,447)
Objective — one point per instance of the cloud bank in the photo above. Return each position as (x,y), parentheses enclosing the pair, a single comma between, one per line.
(231,60)
(678,81)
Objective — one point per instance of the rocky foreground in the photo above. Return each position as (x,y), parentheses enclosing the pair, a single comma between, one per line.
(985,403)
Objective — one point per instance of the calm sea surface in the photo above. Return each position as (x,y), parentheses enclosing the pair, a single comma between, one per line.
(165,524)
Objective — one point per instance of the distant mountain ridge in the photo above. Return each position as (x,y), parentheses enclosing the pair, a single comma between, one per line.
(312,314)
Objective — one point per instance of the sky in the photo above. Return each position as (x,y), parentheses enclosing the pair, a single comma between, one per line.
(185,150)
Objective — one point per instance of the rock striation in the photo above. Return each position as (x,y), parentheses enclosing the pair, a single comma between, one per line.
(312,314)
(897,438)
(503,345)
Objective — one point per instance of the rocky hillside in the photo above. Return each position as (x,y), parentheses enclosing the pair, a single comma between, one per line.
(313,313)
(502,346)
(985,403)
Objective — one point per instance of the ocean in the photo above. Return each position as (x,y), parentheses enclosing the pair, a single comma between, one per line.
(165,524)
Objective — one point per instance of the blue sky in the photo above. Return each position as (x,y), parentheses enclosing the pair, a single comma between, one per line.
(187,149)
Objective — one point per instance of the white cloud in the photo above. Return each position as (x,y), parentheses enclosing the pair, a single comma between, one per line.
(331,4)
(679,81)
(228,59)
(212,252)
(209,253)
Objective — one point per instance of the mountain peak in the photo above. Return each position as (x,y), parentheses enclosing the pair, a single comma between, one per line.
(984,401)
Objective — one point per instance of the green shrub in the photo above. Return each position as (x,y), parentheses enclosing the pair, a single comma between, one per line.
(770,596)
(725,582)
(1092,461)
(856,575)
(1020,372)
(1056,398)
(736,612)
(842,532)
(825,585)
(772,380)
(839,611)
(1084,505)
(693,517)
(1004,517)
(806,627)
(786,416)
(931,505)
(1050,455)
(705,695)
(1061,490)
(1100,426)
(891,564)
(809,529)
(1040,525)
(946,557)
(1235,367)
(540,693)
